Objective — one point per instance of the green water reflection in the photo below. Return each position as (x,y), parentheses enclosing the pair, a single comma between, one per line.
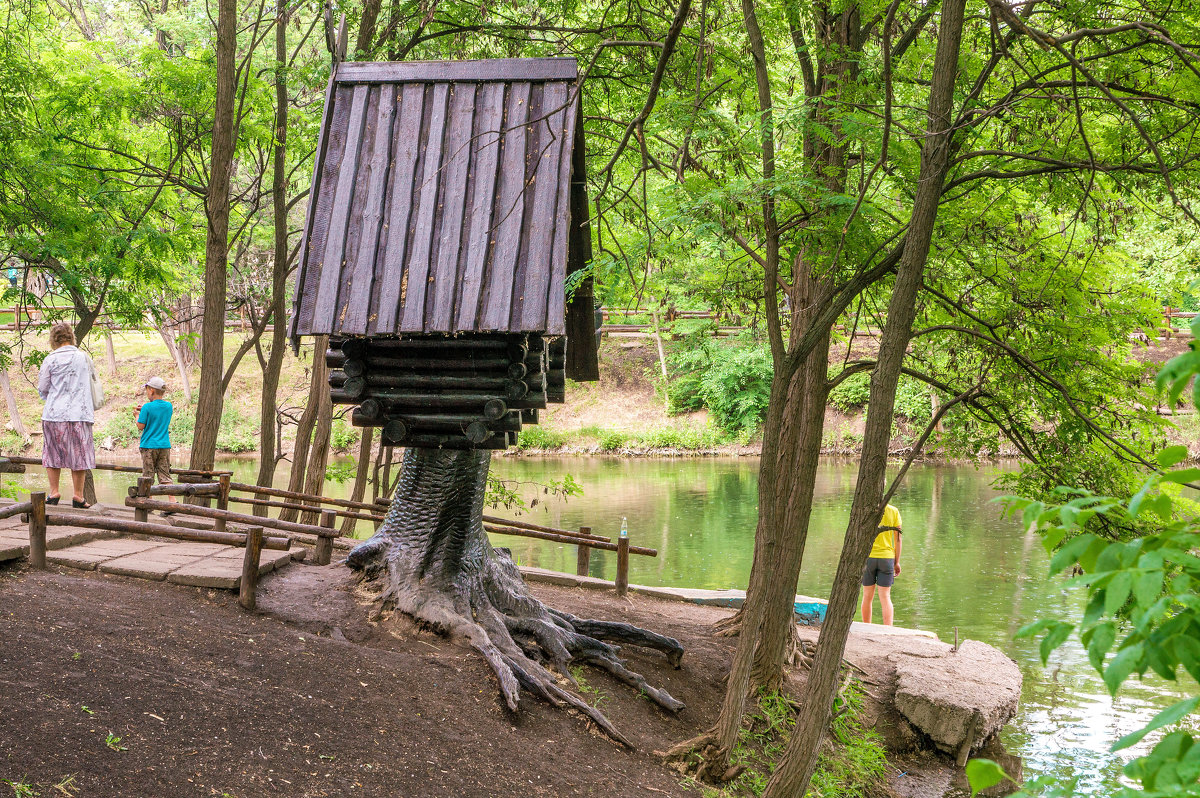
(964,566)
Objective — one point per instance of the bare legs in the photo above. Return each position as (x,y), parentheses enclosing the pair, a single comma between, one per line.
(885,602)
(53,475)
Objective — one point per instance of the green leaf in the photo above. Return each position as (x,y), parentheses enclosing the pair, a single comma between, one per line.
(1069,553)
(1169,716)
(1147,587)
(1182,476)
(1057,635)
(984,773)
(1117,592)
(1172,455)
(1101,640)
(1029,630)
(1122,665)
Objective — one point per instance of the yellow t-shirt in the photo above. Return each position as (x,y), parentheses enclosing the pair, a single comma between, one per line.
(885,544)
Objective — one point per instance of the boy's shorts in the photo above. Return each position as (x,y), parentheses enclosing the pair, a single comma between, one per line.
(157,461)
(879,571)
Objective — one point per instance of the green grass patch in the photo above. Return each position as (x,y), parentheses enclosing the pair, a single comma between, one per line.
(535,437)
(852,763)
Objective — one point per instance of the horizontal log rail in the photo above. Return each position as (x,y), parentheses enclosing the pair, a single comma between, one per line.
(227,515)
(578,540)
(106,522)
(16,509)
(305,508)
(121,468)
(205,489)
(491,519)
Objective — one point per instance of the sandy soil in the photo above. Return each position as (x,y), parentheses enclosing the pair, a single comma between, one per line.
(308,698)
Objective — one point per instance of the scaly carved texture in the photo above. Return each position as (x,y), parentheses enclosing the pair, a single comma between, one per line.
(436,565)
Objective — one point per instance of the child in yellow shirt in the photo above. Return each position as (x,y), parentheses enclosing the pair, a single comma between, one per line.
(883,566)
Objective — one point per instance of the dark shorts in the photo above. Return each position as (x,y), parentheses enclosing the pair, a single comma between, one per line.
(879,571)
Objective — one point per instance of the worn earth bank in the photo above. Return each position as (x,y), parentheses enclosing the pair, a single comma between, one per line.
(308,698)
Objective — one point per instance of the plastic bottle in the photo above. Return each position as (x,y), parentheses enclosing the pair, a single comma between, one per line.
(624,527)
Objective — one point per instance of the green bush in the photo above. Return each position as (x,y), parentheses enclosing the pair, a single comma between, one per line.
(540,438)
(912,401)
(737,388)
(342,436)
(237,434)
(121,428)
(613,440)
(851,392)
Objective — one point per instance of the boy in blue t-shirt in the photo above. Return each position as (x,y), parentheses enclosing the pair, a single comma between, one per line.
(154,419)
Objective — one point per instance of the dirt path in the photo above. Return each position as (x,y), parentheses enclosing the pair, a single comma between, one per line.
(308,698)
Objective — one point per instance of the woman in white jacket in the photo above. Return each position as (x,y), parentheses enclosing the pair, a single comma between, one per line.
(65,383)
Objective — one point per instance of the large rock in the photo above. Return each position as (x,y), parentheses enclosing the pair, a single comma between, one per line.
(959,699)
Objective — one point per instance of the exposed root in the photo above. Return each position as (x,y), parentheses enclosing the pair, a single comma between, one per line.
(702,758)
(432,562)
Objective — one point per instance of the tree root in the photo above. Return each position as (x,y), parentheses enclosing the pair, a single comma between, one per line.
(528,646)
(796,654)
(702,758)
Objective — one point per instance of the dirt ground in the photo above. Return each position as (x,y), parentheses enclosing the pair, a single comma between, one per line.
(307,698)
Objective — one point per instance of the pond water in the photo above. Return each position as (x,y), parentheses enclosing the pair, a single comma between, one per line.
(965,566)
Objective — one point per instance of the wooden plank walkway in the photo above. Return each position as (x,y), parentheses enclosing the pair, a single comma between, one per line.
(179,562)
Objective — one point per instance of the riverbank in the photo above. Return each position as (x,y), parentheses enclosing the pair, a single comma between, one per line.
(115,686)
(624,414)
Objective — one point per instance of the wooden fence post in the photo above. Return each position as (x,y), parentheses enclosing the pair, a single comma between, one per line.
(143,492)
(249,587)
(37,531)
(222,502)
(324,552)
(583,553)
(622,565)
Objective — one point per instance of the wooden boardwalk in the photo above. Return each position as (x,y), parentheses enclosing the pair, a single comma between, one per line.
(179,562)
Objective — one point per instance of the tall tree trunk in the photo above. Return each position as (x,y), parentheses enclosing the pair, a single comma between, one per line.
(216,247)
(792,776)
(185,380)
(270,390)
(14,413)
(318,452)
(318,388)
(110,354)
(360,475)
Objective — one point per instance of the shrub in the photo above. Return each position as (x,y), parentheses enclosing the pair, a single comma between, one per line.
(737,388)
(342,436)
(851,392)
(540,438)
(237,434)
(121,428)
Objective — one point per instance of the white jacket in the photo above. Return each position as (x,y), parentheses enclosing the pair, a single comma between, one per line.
(65,382)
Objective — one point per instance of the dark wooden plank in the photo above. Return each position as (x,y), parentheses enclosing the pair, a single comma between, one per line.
(483,70)
(508,213)
(426,192)
(300,321)
(321,207)
(440,317)
(582,362)
(540,263)
(359,209)
(485,157)
(362,270)
(535,137)
(407,141)
(335,242)
(564,217)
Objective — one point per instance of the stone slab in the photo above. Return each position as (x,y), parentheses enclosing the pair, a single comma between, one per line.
(211,572)
(151,564)
(960,699)
(12,551)
(268,561)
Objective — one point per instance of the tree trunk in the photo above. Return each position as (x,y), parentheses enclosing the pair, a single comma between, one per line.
(318,389)
(14,413)
(792,776)
(267,442)
(360,476)
(318,451)
(110,354)
(434,563)
(216,247)
(185,380)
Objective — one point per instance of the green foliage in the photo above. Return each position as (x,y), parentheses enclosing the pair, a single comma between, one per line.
(536,437)
(342,436)
(851,393)
(122,428)
(854,766)
(237,433)
(340,471)
(731,379)
(518,495)
(1143,597)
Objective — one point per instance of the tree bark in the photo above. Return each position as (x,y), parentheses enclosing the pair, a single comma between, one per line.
(433,562)
(185,380)
(792,776)
(267,460)
(318,452)
(360,476)
(318,389)
(216,247)
(13,412)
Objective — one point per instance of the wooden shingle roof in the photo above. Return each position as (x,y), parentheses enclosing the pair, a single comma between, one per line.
(442,200)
